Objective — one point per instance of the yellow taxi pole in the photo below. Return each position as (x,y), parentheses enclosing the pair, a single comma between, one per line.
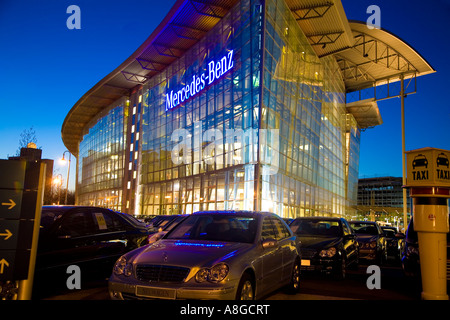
(26,286)
(430,214)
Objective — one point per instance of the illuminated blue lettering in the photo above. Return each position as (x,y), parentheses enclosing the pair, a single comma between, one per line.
(216,69)
(211,72)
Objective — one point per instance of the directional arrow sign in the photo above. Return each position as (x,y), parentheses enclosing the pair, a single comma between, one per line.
(11,204)
(6,235)
(16,234)
(14,264)
(3,263)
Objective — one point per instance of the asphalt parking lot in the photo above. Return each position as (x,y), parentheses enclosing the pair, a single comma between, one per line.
(393,286)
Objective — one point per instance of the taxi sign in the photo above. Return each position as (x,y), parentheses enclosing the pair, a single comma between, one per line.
(428,167)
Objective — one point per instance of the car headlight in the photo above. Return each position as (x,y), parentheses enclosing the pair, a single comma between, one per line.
(122,267)
(215,274)
(328,253)
(373,244)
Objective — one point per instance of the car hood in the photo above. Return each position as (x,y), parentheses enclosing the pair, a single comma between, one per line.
(319,242)
(188,253)
(366,237)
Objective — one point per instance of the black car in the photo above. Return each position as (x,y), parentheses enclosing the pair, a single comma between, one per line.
(327,244)
(160,222)
(394,243)
(420,161)
(410,254)
(372,241)
(89,237)
(442,160)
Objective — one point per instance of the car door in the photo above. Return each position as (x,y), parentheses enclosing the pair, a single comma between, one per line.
(286,244)
(349,242)
(72,241)
(272,257)
(111,239)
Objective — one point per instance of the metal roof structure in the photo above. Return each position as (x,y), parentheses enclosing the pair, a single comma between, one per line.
(367,57)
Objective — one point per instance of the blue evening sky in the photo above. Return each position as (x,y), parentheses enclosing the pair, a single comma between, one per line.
(45,68)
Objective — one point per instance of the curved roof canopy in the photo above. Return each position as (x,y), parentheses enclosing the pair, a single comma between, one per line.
(367,57)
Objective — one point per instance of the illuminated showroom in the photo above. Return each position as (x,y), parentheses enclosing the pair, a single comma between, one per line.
(238,105)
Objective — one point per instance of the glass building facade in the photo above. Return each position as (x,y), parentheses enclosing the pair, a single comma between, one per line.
(249,118)
(100,166)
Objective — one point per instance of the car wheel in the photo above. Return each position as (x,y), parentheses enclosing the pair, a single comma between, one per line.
(294,286)
(246,288)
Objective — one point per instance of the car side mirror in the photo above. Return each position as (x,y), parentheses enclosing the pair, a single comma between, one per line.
(269,243)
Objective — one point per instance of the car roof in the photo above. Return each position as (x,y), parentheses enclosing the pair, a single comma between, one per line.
(319,218)
(69,207)
(237,212)
(360,221)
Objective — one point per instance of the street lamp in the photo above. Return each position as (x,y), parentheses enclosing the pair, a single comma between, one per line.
(57,181)
(63,160)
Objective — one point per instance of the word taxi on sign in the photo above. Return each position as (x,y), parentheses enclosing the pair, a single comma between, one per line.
(428,167)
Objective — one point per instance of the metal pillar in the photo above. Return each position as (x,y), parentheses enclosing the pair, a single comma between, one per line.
(405,201)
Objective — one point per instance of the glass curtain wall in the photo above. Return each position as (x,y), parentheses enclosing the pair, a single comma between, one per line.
(304,98)
(198,121)
(101,159)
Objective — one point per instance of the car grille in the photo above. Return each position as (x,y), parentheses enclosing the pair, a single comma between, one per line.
(161,273)
(308,253)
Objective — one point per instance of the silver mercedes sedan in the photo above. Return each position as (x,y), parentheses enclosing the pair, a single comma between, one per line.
(225,255)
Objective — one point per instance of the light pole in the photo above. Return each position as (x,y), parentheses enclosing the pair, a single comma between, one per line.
(57,181)
(68,172)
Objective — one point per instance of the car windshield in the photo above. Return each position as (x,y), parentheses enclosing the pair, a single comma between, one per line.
(389,232)
(216,227)
(364,228)
(316,227)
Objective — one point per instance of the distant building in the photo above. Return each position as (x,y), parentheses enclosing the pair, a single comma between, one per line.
(381,196)
(34,154)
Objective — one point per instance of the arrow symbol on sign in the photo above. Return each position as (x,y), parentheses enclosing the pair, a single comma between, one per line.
(11,204)
(7,235)
(3,263)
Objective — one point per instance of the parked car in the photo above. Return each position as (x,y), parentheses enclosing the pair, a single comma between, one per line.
(420,161)
(372,241)
(90,237)
(410,254)
(163,228)
(212,255)
(394,243)
(442,160)
(327,244)
(160,222)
